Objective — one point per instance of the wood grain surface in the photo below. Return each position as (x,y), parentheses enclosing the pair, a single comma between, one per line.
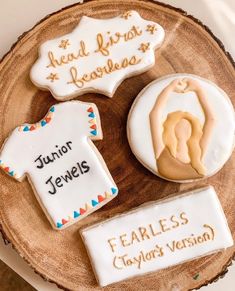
(61,256)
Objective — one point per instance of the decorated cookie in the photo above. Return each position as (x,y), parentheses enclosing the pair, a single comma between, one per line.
(97,56)
(157,235)
(67,173)
(181,127)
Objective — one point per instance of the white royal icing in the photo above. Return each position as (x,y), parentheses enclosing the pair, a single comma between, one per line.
(172,232)
(141,38)
(221,142)
(76,181)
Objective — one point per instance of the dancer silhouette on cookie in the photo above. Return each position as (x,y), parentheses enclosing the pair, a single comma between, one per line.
(181,140)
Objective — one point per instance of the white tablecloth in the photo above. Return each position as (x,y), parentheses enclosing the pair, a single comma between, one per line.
(18,16)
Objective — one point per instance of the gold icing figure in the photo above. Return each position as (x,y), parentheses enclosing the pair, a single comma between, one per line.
(181,140)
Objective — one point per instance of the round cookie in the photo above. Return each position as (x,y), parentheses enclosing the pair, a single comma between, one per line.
(181,127)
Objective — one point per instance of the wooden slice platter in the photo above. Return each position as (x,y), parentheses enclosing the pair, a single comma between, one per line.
(61,257)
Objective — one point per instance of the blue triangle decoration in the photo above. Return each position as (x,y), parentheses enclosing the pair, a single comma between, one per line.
(76,214)
(26,128)
(52,109)
(59,225)
(94,132)
(94,203)
(114,190)
(11,173)
(43,122)
(91,115)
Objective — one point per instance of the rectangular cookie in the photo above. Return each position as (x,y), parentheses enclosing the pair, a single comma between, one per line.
(157,235)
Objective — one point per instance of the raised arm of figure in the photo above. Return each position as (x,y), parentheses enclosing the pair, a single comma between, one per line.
(193,85)
(156,122)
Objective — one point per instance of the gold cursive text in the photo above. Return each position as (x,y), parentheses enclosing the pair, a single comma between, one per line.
(104,45)
(99,72)
(66,59)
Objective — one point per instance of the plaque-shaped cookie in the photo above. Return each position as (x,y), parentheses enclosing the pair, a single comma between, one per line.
(97,55)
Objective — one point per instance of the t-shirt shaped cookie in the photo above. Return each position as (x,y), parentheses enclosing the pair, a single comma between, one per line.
(181,127)
(97,55)
(68,174)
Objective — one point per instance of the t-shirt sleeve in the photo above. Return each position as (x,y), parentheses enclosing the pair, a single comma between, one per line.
(94,130)
(82,117)
(11,157)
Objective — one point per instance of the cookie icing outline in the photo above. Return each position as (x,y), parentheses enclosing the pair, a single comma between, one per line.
(220,91)
(149,60)
(93,133)
(119,228)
